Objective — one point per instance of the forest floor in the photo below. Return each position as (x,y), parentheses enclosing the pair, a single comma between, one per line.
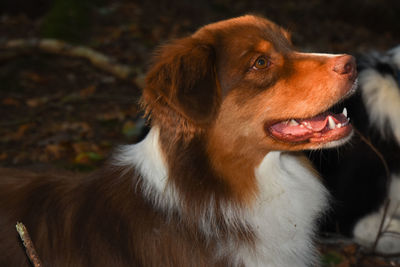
(63,112)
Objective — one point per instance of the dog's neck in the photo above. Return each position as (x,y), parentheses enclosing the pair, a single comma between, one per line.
(220,168)
(235,160)
(283,199)
(180,169)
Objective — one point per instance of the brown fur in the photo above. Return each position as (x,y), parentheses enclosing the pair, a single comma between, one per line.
(95,221)
(212,109)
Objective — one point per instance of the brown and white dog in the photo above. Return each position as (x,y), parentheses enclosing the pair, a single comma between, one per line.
(217,181)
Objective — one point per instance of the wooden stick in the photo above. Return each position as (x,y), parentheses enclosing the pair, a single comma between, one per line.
(28,244)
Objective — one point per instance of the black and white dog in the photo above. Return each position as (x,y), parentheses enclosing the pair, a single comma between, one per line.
(362,176)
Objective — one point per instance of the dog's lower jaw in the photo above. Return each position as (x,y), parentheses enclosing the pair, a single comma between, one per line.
(339,142)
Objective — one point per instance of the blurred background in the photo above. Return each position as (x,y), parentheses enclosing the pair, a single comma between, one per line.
(59,109)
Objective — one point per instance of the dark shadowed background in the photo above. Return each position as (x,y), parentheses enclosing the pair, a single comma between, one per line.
(62,111)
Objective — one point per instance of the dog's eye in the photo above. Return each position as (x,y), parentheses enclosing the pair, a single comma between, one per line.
(261,63)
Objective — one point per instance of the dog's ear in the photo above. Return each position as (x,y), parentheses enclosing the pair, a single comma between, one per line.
(183,79)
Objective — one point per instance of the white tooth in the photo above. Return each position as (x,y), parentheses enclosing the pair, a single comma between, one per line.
(331,123)
(344,112)
(293,122)
(339,125)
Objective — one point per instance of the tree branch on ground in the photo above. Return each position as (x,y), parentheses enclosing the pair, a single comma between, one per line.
(58,47)
(28,244)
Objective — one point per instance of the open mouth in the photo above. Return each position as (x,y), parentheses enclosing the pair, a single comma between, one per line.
(322,128)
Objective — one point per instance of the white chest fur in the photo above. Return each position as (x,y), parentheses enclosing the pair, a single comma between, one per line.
(283,216)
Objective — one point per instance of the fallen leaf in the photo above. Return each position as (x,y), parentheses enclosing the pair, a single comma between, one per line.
(54,150)
(22,129)
(9,101)
(82,147)
(83,128)
(35,102)
(82,158)
(112,115)
(94,156)
(344,263)
(133,129)
(373,262)
(3,156)
(331,258)
(350,249)
(88,91)
(129,129)
(34,77)
(70,98)
(88,157)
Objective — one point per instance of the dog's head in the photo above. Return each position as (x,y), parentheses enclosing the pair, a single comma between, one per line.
(241,83)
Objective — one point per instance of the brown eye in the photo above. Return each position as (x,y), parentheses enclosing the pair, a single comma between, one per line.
(261,63)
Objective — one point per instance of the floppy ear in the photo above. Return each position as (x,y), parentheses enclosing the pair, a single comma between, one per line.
(183,79)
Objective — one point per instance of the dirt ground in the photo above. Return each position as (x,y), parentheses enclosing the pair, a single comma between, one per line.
(63,112)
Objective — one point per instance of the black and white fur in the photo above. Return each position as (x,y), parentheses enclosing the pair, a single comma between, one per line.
(355,174)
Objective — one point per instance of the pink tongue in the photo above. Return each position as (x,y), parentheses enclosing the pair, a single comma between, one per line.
(287,129)
(308,126)
(317,123)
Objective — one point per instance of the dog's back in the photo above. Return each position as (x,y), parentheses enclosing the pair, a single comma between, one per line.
(95,220)
(65,216)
